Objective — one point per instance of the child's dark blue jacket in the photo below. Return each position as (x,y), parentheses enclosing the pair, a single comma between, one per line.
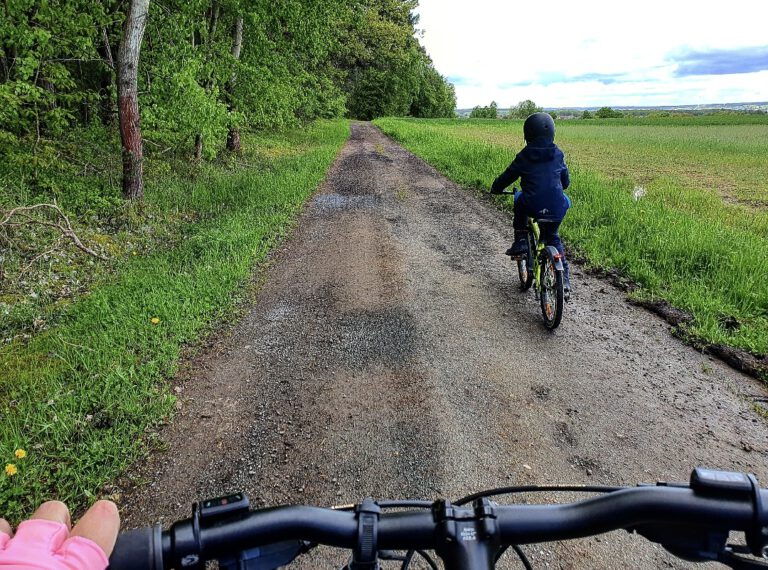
(543,175)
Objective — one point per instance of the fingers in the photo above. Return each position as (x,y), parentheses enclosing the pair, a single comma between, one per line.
(6,532)
(100,524)
(6,528)
(55,511)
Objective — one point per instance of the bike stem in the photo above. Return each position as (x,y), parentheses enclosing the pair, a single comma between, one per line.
(467,538)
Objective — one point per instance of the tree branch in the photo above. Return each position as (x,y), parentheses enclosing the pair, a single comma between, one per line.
(63,225)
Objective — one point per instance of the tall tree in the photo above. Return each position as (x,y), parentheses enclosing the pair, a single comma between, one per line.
(107,79)
(49,64)
(489,112)
(387,71)
(128,98)
(271,65)
(435,97)
(233,137)
(523,110)
(382,58)
(213,21)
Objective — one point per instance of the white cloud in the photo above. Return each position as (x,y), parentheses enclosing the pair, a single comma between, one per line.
(493,44)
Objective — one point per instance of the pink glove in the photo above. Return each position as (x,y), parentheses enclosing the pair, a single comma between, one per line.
(46,545)
(44,542)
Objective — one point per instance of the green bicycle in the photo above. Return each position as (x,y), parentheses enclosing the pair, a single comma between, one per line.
(542,267)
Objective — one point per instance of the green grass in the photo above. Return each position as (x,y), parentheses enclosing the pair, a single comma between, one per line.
(81,396)
(726,159)
(684,241)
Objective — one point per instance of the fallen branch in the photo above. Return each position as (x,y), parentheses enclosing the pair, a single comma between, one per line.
(61,224)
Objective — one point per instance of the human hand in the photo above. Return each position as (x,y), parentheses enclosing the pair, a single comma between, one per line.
(45,541)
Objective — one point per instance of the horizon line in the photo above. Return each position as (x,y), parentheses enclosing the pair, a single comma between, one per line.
(620,106)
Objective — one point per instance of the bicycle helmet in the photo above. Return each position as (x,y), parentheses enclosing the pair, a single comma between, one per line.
(539,126)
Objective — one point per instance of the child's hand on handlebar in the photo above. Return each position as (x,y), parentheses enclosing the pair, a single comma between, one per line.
(47,541)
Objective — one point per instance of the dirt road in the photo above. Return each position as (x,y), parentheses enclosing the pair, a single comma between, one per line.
(390,353)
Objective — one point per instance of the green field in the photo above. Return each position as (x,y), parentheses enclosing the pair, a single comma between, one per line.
(81,396)
(696,236)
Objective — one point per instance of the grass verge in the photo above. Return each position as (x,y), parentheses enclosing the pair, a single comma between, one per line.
(80,397)
(679,242)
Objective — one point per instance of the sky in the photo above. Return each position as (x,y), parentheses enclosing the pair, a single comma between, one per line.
(594,53)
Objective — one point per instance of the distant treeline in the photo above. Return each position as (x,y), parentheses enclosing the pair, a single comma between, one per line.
(610,113)
(197,71)
(525,108)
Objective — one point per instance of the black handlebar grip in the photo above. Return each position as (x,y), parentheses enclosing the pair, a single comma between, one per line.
(139,549)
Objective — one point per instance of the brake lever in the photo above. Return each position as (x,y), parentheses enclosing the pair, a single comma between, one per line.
(392,555)
(731,557)
(700,545)
(268,557)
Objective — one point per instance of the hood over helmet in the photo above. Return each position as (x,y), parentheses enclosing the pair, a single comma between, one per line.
(539,128)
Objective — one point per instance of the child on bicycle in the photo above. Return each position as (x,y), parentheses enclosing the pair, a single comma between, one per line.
(543,175)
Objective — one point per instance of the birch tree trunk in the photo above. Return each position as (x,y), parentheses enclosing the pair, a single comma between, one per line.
(233,137)
(107,81)
(128,98)
(214,20)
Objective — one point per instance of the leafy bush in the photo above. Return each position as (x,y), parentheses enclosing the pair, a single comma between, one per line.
(489,112)
(524,109)
(608,113)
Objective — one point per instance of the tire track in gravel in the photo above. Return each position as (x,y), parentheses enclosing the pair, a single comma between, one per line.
(389,353)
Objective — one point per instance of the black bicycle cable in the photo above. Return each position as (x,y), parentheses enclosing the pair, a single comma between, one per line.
(537,489)
(419,504)
(405,504)
(432,564)
(533,489)
(520,554)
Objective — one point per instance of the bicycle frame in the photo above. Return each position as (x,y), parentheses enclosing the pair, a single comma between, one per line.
(535,254)
(531,270)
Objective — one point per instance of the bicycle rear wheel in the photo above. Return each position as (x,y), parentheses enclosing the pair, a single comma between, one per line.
(551,292)
(525,265)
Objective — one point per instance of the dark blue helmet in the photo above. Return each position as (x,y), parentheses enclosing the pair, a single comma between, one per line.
(539,127)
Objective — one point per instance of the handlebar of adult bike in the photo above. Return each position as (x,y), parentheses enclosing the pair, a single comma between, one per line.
(692,521)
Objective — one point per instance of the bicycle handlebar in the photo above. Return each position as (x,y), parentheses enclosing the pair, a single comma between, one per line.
(690,521)
(506,192)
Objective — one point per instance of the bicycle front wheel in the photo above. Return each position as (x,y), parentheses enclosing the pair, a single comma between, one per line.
(551,292)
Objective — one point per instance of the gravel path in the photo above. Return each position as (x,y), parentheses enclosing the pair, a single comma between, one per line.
(390,353)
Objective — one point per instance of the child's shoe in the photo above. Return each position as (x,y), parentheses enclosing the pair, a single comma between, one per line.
(518,250)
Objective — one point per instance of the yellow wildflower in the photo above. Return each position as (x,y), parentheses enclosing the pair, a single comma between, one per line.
(20,453)
(11,470)
(154,321)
